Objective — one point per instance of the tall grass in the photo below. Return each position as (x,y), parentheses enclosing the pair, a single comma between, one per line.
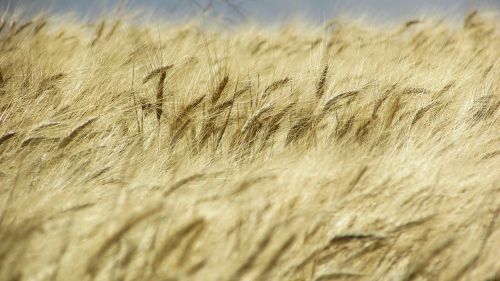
(345,152)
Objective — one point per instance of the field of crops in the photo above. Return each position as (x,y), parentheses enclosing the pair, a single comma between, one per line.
(183,151)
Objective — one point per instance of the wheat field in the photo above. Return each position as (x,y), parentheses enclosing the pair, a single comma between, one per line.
(183,151)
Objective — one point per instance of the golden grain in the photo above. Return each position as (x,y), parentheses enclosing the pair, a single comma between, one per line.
(355,172)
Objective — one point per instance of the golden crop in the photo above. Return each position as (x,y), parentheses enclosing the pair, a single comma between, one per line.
(159,151)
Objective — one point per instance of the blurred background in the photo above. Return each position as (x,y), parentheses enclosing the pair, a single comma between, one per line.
(268,11)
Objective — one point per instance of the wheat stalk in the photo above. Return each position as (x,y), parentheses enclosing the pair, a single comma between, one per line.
(220,88)
(93,263)
(186,111)
(275,86)
(320,86)
(275,258)
(172,242)
(7,136)
(22,27)
(159,96)
(75,132)
(250,260)
(156,72)
(3,23)
(113,29)
(98,32)
(178,132)
(298,130)
(334,100)
(254,117)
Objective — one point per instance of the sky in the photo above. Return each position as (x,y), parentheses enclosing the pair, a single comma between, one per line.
(266,10)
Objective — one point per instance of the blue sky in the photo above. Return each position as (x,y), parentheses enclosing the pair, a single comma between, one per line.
(271,10)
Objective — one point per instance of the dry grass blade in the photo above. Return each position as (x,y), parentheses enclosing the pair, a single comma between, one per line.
(75,132)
